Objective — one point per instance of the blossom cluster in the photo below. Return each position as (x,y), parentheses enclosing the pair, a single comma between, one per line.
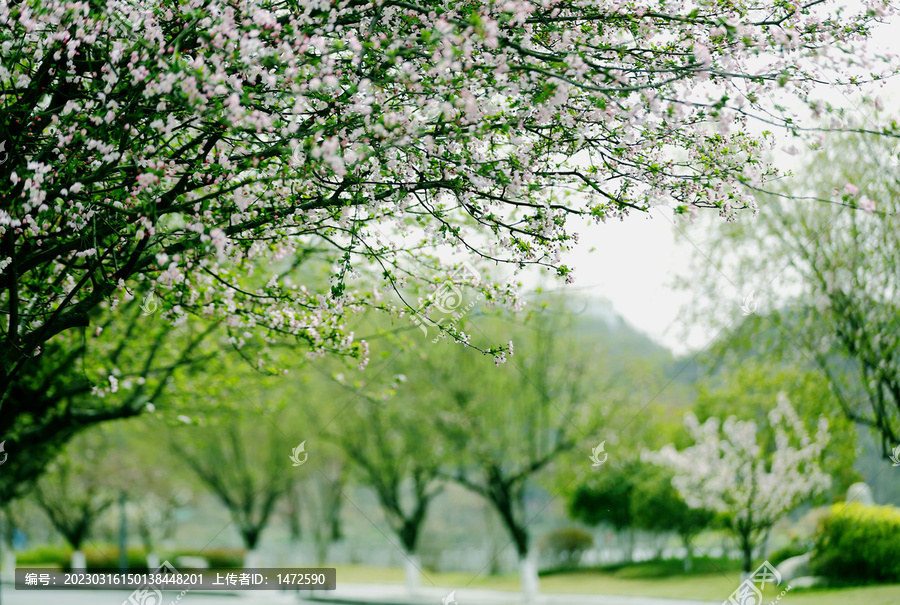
(729,470)
(206,150)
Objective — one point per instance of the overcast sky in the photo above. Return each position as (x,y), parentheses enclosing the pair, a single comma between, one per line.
(634,263)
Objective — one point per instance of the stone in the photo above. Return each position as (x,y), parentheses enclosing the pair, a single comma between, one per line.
(860,493)
(794,567)
(191,562)
(807,582)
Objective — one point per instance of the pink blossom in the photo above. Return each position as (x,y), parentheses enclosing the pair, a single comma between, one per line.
(866,204)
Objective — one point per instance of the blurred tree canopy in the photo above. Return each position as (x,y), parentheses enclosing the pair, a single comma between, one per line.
(826,279)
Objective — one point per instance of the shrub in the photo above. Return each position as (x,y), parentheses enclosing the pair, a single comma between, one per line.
(858,544)
(794,549)
(218,558)
(108,558)
(674,568)
(659,568)
(567,545)
(46,554)
(99,557)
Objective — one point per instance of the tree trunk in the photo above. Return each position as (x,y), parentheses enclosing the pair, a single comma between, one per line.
(152,561)
(412,573)
(79,563)
(320,539)
(688,554)
(502,499)
(250,534)
(123,534)
(747,549)
(253,559)
(295,523)
(528,573)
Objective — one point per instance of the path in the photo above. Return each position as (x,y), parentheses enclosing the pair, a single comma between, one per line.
(354,594)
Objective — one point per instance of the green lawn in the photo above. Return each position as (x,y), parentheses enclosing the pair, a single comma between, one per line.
(709,586)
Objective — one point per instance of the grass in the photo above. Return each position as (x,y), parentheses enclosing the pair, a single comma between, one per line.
(647,579)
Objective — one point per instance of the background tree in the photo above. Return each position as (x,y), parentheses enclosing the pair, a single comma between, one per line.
(75,491)
(507,426)
(293,513)
(656,506)
(246,465)
(389,440)
(324,493)
(605,496)
(731,471)
(831,272)
(566,546)
(148,150)
(748,390)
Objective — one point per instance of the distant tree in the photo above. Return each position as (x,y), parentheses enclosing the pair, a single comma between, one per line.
(322,491)
(747,388)
(154,519)
(567,545)
(507,426)
(731,471)
(389,441)
(605,496)
(294,511)
(75,491)
(656,506)
(245,465)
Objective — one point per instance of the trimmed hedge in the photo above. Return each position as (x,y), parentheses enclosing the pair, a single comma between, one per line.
(858,544)
(96,557)
(218,558)
(107,557)
(46,554)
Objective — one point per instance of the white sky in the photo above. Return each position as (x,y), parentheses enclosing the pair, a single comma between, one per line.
(633,264)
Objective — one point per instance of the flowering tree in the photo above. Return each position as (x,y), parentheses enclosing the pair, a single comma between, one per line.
(753,484)
(206,152)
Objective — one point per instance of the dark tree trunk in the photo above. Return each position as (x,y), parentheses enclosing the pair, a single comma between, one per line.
(688,553)
(251,536)
(747,549)
(295,523)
